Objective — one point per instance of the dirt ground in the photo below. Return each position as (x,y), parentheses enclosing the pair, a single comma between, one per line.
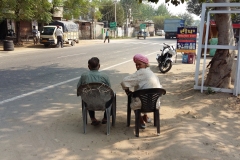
(194,126)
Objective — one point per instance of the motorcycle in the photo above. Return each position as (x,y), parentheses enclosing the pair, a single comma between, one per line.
(165,59)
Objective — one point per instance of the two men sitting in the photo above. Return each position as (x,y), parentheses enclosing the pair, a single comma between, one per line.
(143,78)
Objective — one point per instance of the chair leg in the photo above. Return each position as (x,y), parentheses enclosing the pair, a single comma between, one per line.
(84,104)
(86,115)
(157,121)
(84,111)
(137,122)
(154,119)
(108,112)
(114,108)
(128,111)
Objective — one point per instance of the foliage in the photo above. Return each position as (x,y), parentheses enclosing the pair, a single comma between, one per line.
(210,91)
(144,12)
(93,8)
(162,10)
(175,2)
(42,11)
(75,8)
(193,6)
(159,22)
(26,10)
(187,17)
(130,7)
(108,12)
(153,1)
(57,2)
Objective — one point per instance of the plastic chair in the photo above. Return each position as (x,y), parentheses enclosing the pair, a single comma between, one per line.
(148,99)
(97,97)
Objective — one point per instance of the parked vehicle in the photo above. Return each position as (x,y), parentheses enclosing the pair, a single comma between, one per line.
(165,58)
(142,34)
(171,26)
(70,33)
(160,33)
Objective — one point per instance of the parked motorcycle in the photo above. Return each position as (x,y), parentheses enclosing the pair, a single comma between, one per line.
(165,58)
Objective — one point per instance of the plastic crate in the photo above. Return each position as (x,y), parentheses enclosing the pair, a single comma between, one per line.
(191,58)
(185,58)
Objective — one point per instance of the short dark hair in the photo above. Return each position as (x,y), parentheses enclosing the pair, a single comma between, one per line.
(93,63)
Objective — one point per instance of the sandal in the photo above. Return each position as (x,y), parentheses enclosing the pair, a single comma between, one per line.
(104,121)
(146,119)
(142,126)
(95,122)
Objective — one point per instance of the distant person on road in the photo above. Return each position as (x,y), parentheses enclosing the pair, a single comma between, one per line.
(59,34)
(94,76)
(143,78)
(107,36)
(35,35)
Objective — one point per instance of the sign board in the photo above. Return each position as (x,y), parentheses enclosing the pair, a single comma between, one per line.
(113,24)
(142,26)
(186,39)
(113,28)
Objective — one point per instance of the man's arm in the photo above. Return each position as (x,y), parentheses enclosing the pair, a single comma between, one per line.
(130,81)
(128,92)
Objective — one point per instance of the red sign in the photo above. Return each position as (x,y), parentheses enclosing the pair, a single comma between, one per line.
(186,40)
(187,36)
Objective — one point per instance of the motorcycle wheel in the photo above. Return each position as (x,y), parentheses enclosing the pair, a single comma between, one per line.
(164,68)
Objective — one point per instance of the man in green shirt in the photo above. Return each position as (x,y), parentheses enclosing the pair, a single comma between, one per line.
(107,36)
(94,76)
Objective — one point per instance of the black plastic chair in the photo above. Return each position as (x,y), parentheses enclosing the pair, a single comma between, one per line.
(148,99)
(97,97)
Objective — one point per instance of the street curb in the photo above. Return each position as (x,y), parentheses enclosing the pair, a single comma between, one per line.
(32,47)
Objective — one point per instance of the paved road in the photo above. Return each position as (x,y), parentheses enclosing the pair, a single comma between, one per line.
(30,70)
(38,91)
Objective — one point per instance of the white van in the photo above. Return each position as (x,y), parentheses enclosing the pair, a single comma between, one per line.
(70,33)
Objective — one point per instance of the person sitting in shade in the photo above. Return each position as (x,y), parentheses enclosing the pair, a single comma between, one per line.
(94,76)
(143,78)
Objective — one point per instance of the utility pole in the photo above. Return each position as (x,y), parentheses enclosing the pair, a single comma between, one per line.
(115,11)
(115,18)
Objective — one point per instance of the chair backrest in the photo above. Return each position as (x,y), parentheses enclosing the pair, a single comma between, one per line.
(97,96)
(149,98)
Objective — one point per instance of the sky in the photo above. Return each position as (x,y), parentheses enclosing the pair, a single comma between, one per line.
(176,9)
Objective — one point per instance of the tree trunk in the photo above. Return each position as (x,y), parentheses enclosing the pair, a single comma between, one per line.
(17,12)
(220,70)
(18,38)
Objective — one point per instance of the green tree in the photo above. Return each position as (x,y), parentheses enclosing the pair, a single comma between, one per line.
(159,22)
(144,12)
(75,8)
(130,7)
(25,10)
(94,13)
(108,11)
(194,7)
(187,17)
(162,10)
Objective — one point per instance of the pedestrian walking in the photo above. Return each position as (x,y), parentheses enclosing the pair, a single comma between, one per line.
(59,34)
(107,36)
(35,35)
